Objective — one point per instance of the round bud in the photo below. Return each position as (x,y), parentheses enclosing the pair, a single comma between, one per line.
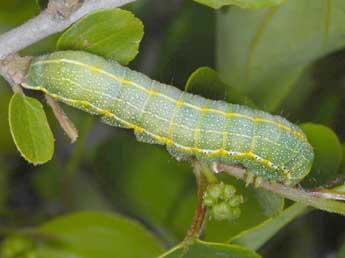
(236,200)
(215,191)
(228,191)
(221,211)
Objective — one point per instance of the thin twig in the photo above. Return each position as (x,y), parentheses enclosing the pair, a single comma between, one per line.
(64,121)
(298,195)
(48,23)
(328,194)
(201,211)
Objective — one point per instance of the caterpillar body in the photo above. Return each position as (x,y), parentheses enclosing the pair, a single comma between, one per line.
(189,125)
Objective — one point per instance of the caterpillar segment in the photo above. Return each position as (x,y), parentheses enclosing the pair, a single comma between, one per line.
(268,146)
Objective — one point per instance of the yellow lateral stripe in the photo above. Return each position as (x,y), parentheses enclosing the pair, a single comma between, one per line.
(174,124)
(177,102)
(165,120)
(165,140)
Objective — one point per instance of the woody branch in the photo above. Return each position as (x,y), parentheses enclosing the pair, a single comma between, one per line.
(59,15)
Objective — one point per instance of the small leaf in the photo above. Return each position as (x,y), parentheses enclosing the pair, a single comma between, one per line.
(30,129)
(206,82)
(255,237)
(216,4)
(90,235)
(201,249)
(114,34)
(328,154)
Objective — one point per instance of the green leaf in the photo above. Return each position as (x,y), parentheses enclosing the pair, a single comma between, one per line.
(114,34)
(255,237)
(216,4)
(262,54)
(206,82)
(91,235)
(201,249)
(328,154)
(30,129)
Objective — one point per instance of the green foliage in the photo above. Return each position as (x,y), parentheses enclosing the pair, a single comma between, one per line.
(255,237)
(114,34)
(131,181)
(267,55)
(30,129)
(201,249)
(263,55)
(328,154)
(241,3)
(85,235)
(206,82)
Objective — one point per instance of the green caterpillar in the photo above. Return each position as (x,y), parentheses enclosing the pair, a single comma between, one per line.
(189,125)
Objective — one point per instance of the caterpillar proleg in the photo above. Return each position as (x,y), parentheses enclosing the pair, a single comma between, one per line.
(189,125)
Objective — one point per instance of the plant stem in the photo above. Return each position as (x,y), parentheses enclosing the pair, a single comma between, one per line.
(51,21)
(64,121)
(209,175)
(201,211)
(298,195)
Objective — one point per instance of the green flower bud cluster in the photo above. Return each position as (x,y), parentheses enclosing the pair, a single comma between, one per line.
(223,202)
